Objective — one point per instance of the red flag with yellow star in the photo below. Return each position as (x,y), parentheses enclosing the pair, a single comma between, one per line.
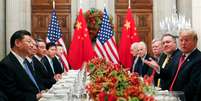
(129,35)
(81,49)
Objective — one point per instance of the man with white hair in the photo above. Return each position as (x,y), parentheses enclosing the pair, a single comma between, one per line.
(134,51)
(140,67)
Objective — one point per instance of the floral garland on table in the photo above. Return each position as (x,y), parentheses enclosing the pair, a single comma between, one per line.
(109,82)
(93,18)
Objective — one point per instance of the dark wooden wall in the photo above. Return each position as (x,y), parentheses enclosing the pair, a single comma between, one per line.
(142,13)
(141,9)
(41,15)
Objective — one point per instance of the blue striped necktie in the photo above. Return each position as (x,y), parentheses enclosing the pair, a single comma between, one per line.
(26,67)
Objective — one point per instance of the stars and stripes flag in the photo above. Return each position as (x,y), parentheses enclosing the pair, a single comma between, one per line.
(105,44)
(54,35)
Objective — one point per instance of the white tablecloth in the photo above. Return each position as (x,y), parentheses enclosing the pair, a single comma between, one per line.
(71,88)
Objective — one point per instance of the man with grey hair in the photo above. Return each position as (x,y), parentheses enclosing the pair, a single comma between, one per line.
(186,75)
(156,48)
(186,78)
(134,51)
(140,67)
(167,62)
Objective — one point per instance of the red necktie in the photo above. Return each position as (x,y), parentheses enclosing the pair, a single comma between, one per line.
(181,61)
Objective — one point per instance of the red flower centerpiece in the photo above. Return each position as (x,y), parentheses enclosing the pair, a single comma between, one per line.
(110,82)
(93,18)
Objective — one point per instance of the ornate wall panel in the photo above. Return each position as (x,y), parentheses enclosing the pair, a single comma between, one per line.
(41,15)
(141,10)
(142,13)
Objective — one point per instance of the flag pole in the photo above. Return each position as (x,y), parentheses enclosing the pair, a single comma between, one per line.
(104,4)
(129,3)
(53,4)
(80,4)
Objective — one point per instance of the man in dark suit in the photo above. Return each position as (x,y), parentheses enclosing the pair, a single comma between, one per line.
(16,80)
(57,63)
(57,59)
(41,71)
(187,74)
(198,91)
(140,67)
(49,63)
(3,97)
(31,64)
(168,61)
(167,72)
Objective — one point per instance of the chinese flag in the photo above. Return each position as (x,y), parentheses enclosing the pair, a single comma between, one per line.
(129,35)
(81,47)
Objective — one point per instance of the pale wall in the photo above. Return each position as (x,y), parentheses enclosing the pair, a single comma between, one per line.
(196,19)
(2,29)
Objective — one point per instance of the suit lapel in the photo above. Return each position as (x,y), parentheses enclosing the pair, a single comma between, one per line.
(39,65)
(162,59)
(189,58)
(58,64)
(20,69)
(48,66)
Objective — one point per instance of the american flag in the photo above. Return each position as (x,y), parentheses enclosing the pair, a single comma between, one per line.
(55,35)
(105,44)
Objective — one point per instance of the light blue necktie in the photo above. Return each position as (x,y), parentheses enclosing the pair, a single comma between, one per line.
(26,67)
(52,66)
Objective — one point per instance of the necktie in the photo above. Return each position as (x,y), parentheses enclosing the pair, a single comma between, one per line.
(26,67)
(134,62)
(41,61)
(139,66)
(166,61)
(32,65)
(52,66)
(163,66)
(181,61)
